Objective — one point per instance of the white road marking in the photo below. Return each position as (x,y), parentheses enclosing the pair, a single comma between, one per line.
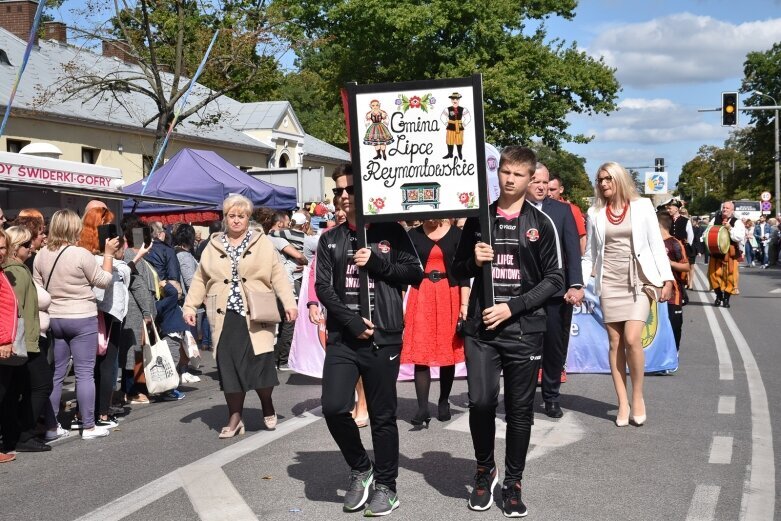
(759,499)
(214,498)
(721,450)
(725,361)
(726,405)
(759,495)
(210,465)
(546,436)
(777,290)
(703,505)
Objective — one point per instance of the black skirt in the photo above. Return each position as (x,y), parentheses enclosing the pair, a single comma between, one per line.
(240,369)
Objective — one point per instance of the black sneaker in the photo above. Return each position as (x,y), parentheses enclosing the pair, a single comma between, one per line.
(109,423)
(383,502)
(483,492)
(512,505)
(358,490)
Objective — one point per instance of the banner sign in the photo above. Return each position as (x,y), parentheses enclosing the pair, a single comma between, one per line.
(588,345)
(18,167)
(419,149)
(655,183)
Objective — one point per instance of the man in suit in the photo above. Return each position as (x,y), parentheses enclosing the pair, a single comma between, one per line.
(559,307)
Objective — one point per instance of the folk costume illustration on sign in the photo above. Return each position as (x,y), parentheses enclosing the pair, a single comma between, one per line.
(456,118)
(377,133)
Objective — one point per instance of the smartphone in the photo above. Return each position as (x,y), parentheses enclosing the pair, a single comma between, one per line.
(141,236)
(322,224)
(106,232)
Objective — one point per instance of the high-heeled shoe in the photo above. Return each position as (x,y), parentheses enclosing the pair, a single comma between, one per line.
(443,412)
(639,420)
(227,432)
(622,422)
(270,421)
(420,418)
(361,422)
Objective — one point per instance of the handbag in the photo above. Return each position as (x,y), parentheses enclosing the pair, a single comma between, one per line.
(159,368)
(19,346)
(653,292)
(103,334)
(262,307)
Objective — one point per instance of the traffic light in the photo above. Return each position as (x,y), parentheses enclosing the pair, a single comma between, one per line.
(729,109)
(659,164)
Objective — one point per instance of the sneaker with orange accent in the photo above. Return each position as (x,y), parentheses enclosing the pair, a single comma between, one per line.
(5,458)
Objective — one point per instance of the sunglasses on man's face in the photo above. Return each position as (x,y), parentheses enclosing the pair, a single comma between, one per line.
(350,189)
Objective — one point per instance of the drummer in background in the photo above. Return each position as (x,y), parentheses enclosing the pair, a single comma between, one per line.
(723,269)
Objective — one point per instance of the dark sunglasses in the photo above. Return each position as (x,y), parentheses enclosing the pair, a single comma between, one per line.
(350,189)
(26,244)
(608,178)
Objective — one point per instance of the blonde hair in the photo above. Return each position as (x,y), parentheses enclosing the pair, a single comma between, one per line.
(64,228)
(624,189)
(15,237)
(236,201)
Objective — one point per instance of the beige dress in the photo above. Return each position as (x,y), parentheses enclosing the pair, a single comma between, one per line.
(622,278)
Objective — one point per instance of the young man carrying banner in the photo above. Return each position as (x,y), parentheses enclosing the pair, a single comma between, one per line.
(360,347)
(507,335)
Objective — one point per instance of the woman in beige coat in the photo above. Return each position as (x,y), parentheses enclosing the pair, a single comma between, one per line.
(234,262)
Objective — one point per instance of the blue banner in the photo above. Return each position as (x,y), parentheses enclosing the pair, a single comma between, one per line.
(588,343)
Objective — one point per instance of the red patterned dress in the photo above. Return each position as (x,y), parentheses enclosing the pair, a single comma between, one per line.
(430,320)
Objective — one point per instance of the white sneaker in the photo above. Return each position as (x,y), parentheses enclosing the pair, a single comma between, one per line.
(97,432)
(190,378)
(56,434)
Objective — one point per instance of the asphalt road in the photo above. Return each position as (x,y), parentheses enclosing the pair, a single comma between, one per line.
(709,450)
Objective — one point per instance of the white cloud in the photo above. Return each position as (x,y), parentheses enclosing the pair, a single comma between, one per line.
(656,120)
(682,48)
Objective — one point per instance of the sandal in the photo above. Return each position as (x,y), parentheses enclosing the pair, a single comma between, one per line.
(139,399)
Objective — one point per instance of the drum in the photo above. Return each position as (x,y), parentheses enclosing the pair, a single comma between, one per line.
(717,239)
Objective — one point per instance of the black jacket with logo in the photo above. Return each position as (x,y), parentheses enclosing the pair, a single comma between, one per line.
(391,269)
(542,272)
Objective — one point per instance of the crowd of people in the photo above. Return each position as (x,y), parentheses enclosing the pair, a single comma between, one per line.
(83,300)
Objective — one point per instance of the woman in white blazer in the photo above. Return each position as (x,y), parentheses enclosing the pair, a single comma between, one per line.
(625,253)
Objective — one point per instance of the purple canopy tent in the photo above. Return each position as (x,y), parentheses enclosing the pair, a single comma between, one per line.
(202,175)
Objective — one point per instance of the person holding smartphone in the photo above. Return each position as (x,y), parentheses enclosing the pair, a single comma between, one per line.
(69,272)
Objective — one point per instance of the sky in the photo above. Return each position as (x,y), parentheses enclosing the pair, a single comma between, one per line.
(672,57)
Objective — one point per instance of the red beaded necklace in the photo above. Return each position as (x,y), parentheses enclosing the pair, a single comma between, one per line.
(616,218)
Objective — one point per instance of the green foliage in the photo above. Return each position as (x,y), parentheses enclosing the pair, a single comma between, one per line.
(530,83)
(571,169)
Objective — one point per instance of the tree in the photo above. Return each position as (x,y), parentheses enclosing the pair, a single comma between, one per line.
(572,171)
(762,73)
(530,84)
(164,42)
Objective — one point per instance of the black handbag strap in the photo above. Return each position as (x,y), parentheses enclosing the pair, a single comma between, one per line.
(54,266)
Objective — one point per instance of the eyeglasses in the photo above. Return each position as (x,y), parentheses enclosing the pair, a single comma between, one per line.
(26,244)
(350,189)
(608,178)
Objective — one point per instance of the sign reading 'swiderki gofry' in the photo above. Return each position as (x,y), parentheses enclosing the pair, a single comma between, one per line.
(52,172)
(418,148)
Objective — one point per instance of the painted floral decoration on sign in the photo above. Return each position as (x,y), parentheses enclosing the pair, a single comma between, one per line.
(376,204)
(467,199)
(405,103)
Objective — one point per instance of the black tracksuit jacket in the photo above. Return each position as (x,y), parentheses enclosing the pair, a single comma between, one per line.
(542,272)
(393,265)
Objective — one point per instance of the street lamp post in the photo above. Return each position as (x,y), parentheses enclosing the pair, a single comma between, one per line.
(777,156)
